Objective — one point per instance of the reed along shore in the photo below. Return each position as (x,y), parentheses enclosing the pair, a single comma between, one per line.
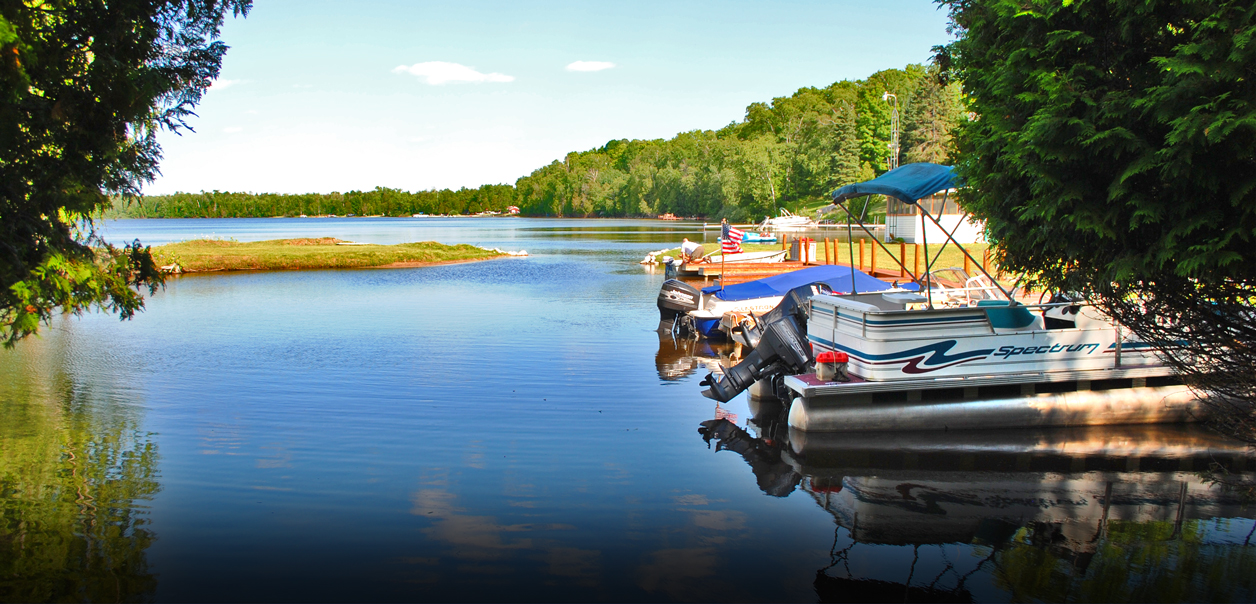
(206,255)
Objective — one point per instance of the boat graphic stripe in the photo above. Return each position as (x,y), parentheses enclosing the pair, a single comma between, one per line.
(905,322)
(1129,346)
(922,359)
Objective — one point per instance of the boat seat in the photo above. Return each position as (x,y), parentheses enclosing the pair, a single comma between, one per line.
(1003,316)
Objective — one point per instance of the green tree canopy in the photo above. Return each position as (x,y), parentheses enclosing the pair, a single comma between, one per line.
(789,152)
(84,88)
(1114,153)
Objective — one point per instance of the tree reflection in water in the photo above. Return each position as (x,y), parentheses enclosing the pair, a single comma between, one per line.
(1096,514)
(75,471)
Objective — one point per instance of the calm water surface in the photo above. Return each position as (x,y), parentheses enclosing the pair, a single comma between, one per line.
(516,430)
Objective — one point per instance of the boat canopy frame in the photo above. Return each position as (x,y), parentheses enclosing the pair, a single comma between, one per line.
(910,184)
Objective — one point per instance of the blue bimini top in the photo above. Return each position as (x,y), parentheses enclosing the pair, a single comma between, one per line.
(836,277)
(907,183)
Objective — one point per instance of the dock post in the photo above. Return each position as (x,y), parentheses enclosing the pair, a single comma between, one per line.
(827,260)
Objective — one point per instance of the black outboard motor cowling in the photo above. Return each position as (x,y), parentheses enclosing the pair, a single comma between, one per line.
(793,302)
(782,349)
(676,298)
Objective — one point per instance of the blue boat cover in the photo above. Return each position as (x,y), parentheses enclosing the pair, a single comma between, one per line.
(908,183)
(836,277)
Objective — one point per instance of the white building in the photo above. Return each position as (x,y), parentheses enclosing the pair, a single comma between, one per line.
(904,220)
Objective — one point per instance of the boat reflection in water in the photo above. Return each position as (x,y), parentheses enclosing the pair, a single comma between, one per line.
(1106,513)
(679,357)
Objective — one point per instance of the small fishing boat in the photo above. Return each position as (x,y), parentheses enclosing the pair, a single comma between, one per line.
(939,360)
(677,268)
(699,312)
(669,216)
(752,237)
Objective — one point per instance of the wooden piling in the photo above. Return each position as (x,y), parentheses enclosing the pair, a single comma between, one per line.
(826,251)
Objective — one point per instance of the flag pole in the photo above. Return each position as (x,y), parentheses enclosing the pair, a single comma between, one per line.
(724,256)
(724,235)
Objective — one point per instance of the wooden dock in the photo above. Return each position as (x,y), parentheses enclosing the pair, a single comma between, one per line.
(740,273)
(909,260)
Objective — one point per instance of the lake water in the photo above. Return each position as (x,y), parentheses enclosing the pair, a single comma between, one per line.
(515,430)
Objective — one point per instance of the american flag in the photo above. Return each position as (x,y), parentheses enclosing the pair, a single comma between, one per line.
(732,241)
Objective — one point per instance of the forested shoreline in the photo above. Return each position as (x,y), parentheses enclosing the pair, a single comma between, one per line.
(788,153)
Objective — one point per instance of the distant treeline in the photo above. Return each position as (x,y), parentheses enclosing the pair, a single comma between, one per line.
(381,201)
(789,153)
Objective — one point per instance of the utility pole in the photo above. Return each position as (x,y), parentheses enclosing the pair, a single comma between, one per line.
(893,162)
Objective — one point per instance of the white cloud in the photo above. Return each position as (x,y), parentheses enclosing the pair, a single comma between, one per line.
(224,84)
(590,66)
(232,129)
(440,72)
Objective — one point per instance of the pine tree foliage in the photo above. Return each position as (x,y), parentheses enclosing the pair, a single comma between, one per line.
(1114,154)
(84,87)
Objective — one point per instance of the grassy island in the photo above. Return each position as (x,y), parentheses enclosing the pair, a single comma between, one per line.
(203,255)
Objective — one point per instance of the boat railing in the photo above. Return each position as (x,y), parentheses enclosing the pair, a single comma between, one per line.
(863,306)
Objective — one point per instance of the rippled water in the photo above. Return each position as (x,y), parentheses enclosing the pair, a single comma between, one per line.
(516,430)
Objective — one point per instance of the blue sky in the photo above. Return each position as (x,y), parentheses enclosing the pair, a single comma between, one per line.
(333,96)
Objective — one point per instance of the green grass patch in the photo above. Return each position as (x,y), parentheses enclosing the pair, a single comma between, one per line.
(202,255)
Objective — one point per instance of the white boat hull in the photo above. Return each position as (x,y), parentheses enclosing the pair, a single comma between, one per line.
(979,368)
(962,342)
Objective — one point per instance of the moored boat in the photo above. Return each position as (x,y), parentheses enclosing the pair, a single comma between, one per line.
(752,237)
(699,312)
(787,220)
(677,268)
(940,361)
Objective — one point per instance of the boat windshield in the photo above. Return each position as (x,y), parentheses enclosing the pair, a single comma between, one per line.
(954,287)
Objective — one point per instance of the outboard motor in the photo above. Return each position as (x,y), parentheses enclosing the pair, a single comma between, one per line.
(676,298)
(793,302)
(782,349)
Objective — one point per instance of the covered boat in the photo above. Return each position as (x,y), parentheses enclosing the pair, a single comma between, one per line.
(700,311)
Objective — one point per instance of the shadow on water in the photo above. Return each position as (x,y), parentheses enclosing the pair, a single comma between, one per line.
(1095,514)
(75,480)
